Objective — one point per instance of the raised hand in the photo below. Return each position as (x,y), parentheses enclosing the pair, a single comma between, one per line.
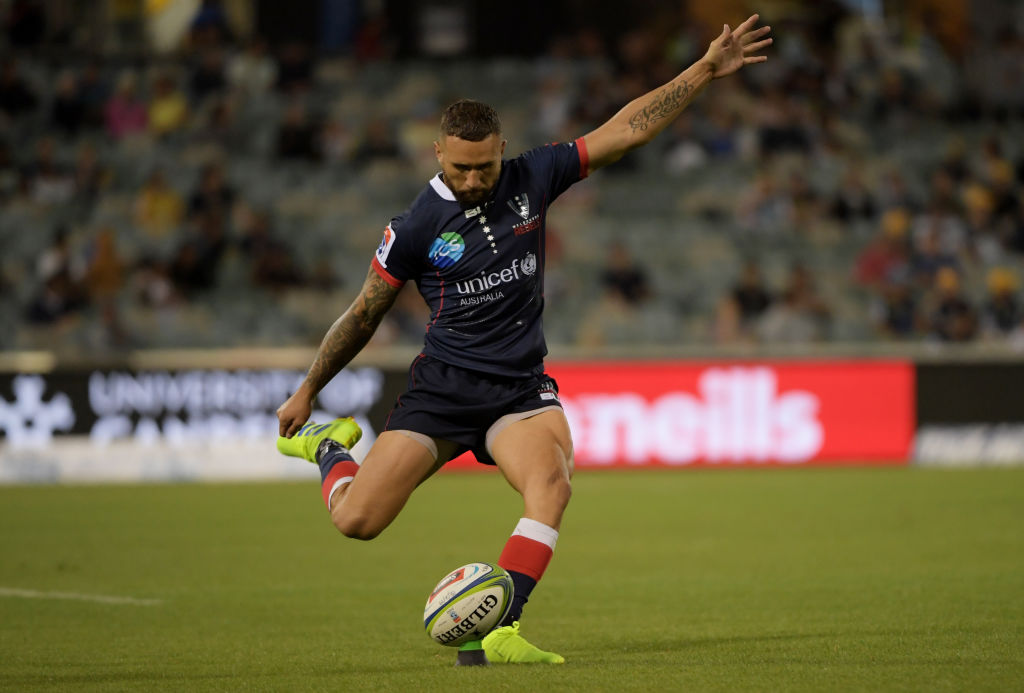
(734,49)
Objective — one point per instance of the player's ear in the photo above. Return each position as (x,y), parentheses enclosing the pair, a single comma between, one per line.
(437,151)
(503,143)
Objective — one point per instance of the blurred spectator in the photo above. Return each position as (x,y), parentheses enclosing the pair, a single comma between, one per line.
(94,90)
(800,316)
(207,75)
(297,137)
(90,175)
(26,23)
(16,98)
(378,142)
(294,68)
(49,181)
(56,258)
(622,277)
(68,110)
(213,193)
(684,151)
(159,209)
(336,141)
(751,295)
(252,71)
(153,286)
(895,310)
(853,201)
(954,318)
(126,113)
(58,298)
(271,260)
(763,206)
(1002,312)
(209,26)
(9,175)
(104,268)
(168,109)
(929,258)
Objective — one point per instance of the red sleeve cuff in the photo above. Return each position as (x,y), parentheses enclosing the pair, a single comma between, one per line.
(581,148)
(385,275)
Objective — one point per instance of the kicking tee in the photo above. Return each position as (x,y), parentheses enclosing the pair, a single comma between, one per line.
(480,269)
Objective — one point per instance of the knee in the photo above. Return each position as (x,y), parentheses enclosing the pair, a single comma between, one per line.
(356,525)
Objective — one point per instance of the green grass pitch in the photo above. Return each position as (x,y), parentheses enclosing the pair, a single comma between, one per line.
(776,580)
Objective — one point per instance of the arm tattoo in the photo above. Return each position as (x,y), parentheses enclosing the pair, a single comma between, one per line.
(350,333)
(665,105)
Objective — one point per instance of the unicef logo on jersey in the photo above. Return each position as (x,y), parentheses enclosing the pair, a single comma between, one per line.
(447,250)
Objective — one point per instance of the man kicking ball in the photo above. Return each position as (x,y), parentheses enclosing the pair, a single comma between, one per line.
(473,241)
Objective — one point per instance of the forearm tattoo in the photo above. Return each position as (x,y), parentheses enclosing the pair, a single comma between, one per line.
(350,333)
(665,105)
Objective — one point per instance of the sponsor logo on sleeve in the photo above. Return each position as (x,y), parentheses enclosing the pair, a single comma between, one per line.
(385,246)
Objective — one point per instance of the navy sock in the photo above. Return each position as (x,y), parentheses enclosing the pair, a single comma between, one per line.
(523,584)
(330,453)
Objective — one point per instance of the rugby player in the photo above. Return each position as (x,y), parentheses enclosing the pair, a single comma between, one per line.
(473,241)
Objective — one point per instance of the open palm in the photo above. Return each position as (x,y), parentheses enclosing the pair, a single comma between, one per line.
(734,49)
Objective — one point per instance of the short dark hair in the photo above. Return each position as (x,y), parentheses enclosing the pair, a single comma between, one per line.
(470,120)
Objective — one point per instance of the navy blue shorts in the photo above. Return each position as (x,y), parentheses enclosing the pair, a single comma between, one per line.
(451,403)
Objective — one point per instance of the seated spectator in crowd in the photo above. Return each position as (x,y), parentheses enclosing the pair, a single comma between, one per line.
(104,268)
(297,136)
(954,318)
(49,181)
(800,316)
(213,192)
(751,296)
(208,75)
(59,297)
(895,310)
(929,258)
(159,209)
(853,201)
(153,286)
(622,277)
(168,109)
(16,99)
(67,110)
(126,112)
(294,68)
(91,176)
(1001,313)
(94,90)
(887,253)
(252,71)
(271,261)
(377,143)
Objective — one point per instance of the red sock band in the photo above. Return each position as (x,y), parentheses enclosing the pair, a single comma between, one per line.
(340,470)
(525,556)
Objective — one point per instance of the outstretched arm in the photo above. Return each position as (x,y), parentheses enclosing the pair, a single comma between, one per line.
(346,338)
(643,118)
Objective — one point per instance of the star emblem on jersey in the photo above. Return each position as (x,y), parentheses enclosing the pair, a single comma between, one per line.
(520,204)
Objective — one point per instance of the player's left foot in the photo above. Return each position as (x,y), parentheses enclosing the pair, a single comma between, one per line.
(305,442)
(506,646)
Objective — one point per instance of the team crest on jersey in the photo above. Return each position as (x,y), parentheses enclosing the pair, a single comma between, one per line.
(520,204)
(529,264)
(447,249)
(385,246)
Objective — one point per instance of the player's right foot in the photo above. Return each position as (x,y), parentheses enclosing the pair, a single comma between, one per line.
(305,442)
(506,646)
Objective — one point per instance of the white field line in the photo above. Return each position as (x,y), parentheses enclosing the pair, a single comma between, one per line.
(100,598)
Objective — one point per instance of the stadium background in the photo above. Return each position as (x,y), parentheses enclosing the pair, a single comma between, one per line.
(192,188)
(818,264)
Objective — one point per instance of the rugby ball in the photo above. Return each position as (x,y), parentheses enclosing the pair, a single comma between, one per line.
(467,603)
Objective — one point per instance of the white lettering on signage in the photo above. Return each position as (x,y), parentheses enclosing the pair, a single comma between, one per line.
(738,414)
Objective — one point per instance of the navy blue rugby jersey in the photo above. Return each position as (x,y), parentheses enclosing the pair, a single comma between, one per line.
(480,269)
